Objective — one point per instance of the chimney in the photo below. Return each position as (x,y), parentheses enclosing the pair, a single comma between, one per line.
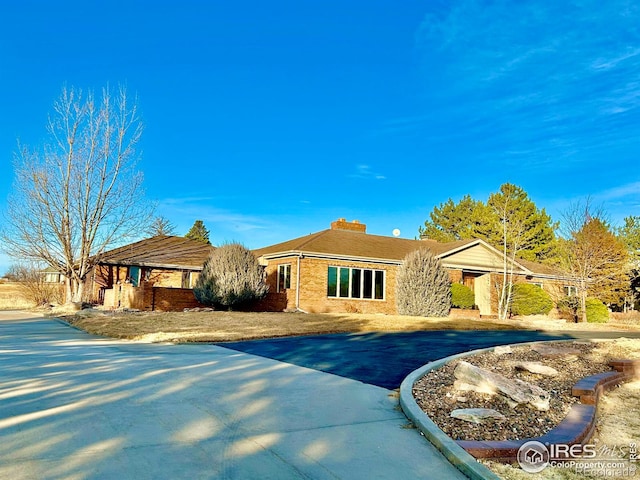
(354,226)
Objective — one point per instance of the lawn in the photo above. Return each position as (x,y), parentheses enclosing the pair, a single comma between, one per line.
(232,326)
(11,297)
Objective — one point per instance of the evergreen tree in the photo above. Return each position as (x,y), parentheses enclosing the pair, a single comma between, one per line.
(423,287)
(471,218)
(629,233)
(231,278)
(516,222)
(199,232)
(456,221)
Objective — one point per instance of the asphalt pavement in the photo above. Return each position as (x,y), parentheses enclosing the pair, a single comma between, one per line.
(385,359)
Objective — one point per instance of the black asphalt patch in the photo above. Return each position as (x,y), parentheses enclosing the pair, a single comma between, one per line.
(385,359)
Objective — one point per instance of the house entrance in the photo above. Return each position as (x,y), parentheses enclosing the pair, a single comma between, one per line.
(480,285)
(469,279)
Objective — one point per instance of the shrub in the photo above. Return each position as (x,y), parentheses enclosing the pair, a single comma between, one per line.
(32,286)
(597,312)
(422,286)
(231,277)
(529,299)
(462,296)
(569,307)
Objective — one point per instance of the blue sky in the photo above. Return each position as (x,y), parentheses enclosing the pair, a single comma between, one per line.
(268,120)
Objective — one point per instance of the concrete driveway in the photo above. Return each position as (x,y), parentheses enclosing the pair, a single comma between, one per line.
(73,406)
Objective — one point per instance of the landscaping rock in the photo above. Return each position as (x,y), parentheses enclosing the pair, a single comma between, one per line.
(502,349)
(478,415)
(553,351)
(536,367)
(517,392)
(199,309)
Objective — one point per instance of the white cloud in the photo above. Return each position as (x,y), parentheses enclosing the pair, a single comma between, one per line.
(365,171)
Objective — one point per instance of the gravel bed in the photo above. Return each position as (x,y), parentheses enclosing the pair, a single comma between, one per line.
(435,394)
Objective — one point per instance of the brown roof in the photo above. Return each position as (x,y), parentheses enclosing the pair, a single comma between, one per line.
(539,268)
(358,244)
(160,252)
(345,243)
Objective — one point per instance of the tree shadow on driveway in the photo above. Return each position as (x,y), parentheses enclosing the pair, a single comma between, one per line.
(77,406)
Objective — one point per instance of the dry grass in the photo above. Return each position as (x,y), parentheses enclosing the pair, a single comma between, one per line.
(617,323)
(231,326)
(222,326)
(618,426)
(11,297)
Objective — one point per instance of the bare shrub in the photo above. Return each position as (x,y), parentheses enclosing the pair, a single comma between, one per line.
(627,318)
(423,287)
(231,278)
(32,285)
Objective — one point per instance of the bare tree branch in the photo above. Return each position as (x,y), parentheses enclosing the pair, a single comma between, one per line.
(80,193)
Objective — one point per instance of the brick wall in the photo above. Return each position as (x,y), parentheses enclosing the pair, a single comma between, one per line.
(354,226)
(313,295)
(278,301)
(173,299)
(150,297)
(455,276)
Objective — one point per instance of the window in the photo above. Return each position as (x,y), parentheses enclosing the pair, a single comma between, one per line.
(570,290)
(347,282)
(284,277)
(50,277)
(134,276)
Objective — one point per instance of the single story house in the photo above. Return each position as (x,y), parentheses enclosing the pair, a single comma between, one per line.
(344,269)
(156,273)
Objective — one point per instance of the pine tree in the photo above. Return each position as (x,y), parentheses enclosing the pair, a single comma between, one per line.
(451,221)
(199,232)
(629,233)
(471,218)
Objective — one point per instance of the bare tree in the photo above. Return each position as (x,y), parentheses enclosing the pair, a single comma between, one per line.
(161,226)
(512,211)
(593,256)
(79,193)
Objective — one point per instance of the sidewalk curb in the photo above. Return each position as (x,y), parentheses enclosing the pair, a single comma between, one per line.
(446,445)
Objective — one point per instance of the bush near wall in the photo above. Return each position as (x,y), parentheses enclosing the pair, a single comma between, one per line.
(423,287)
(568,308)
(597,312)
(529,299)
(462,296)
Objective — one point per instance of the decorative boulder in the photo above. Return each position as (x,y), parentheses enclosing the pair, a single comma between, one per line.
(536,367)
(516,392)
(478,415)
(552,351)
